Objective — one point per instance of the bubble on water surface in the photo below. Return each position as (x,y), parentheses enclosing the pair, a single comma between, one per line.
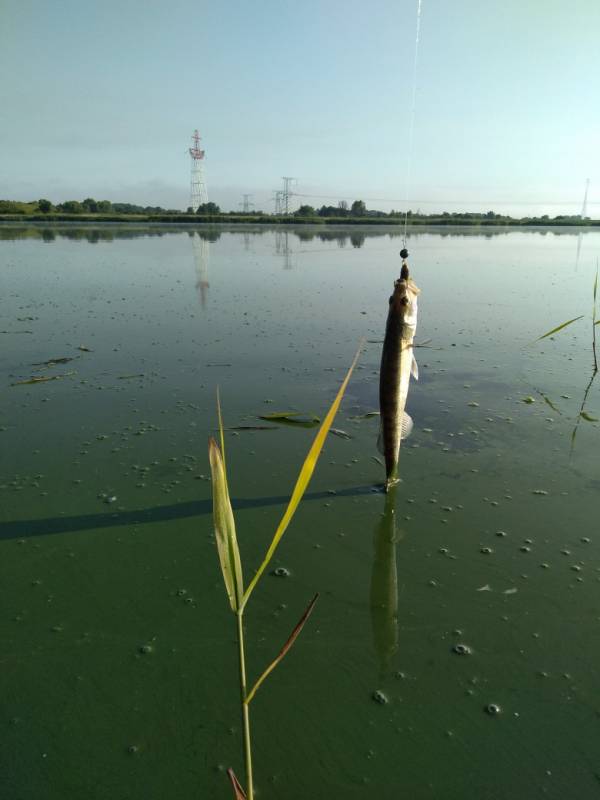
(379,697)
(281,572)
(493,709)
(462,649)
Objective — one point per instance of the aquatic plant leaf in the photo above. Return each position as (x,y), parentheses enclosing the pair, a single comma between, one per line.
(52,361)
(597,323)
(588,417)
(559,327)
(292,418)
(238,792)
(43,379)
(252,428)
(285,649)
(304,477)
(224,523)
(342,434)
(549,402)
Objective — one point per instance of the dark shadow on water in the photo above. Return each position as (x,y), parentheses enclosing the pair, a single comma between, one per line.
(26,528)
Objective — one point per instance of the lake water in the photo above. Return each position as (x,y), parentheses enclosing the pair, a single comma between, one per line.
(117,645)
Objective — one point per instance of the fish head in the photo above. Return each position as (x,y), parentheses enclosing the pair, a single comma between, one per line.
(404,302)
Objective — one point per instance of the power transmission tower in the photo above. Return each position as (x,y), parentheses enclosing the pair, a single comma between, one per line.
(246,203)
(278,202)
(584,211)
(286,193)
(198,193)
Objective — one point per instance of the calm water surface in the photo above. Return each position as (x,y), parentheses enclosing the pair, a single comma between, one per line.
(117,646)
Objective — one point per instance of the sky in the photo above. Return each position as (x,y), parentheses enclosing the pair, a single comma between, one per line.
(100,99)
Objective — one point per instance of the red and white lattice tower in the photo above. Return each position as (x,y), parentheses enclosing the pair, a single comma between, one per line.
(198,193)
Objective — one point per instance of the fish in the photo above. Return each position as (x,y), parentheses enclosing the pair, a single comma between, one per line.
(398,363)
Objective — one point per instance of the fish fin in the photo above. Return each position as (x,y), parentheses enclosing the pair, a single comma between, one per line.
(380,446)
(406,426)
(414,368)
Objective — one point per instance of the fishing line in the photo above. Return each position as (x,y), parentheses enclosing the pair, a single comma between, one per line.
(411,126)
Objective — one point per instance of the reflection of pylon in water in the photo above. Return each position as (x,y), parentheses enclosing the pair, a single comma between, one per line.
(201,250)
(282,248)
(579,235)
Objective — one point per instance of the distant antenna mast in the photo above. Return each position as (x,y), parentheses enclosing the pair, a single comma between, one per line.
(198,194)
(584,211)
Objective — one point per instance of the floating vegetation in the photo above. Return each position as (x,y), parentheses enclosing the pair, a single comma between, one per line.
(231,563)
(52,361)
(292,418)
(342,434)
(366,415)
(42,379)
(252,428)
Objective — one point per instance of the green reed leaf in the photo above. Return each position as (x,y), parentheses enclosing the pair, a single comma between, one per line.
(224,524)
(559,327)
(304,477)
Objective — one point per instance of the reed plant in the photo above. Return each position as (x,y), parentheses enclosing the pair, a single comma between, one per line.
(231,566)
(582,414)
(595,323)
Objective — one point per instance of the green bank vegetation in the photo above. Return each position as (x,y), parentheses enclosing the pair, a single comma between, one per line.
(357,213)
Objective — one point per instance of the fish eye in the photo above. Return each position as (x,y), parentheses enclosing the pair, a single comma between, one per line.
(404,301)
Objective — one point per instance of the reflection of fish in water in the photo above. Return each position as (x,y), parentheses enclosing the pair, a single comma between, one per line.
(397,364)
(384,586)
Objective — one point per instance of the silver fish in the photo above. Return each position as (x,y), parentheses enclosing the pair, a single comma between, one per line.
(398,363)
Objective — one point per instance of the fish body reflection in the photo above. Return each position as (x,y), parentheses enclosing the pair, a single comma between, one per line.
(384,585)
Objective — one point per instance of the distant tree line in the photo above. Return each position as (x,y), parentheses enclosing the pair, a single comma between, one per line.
(357,212)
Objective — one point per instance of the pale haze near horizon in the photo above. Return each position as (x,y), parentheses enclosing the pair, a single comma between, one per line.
(100,100)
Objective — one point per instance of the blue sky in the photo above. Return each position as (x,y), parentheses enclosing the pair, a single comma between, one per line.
(100,99)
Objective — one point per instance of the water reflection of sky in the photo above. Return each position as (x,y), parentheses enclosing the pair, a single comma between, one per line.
(273,317)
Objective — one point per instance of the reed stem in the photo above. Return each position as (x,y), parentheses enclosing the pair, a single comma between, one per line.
(245,709)
(594,343)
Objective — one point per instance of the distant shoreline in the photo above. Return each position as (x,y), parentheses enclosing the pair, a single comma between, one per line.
(264,219)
